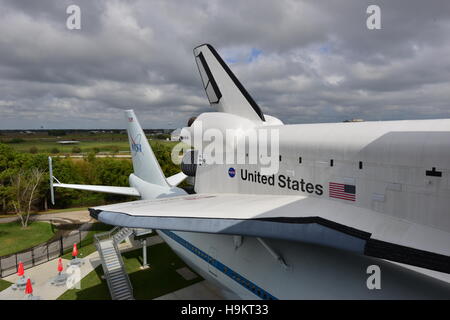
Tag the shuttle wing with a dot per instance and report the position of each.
(293, 218)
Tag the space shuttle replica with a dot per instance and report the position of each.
(305, 211)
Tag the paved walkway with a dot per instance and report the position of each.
(79, 216)
(80, 156)
(42, 276)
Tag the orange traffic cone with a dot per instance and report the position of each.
(20, 269)
(74, 251)
(60, 266)
(29, 287)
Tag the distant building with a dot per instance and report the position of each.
(68, 142)
(175, 135)
(156, 131)
(354, 120)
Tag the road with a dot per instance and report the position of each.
(80, 216)
(97, 156)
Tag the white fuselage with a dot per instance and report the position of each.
(313, 272)
(388, 164)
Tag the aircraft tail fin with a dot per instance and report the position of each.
(145, 164)
(223, 89)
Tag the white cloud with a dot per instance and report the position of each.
(316, 61)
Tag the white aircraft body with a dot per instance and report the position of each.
(348, 199)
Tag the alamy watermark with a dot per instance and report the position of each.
(374, 280)
(373, 21)
(73, 277)
(73, 21)
(234, 146)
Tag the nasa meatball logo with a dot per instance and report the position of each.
(136, 143)
(231, 172)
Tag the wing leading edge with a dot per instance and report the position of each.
(292, 218)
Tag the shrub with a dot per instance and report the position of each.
(90, 157)
(114, 149)
(33, 150)
(162, 136)
(57, 133)
(16, 140)
(76, 150)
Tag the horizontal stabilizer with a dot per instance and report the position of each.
(176, 179)
(127, 191)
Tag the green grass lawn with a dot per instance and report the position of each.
(161, 278)
(86, 144)
(87, 244)
(4, 284)
(14, 238)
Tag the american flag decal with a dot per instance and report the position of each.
(342, 191)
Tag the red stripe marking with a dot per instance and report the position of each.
(341, 195)
(349, 199)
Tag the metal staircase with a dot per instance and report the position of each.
(122, 234)
(114, 270)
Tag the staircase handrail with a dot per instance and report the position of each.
(110, 236)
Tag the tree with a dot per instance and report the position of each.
(25, 185)
(163, 154)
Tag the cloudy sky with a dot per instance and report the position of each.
(302, 61)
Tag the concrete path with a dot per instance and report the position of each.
(80, 216)
(80, 156)
(42, 276)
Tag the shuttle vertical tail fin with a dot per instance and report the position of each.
(145, 164)
(223, 89)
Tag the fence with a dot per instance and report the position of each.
(40, 254)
